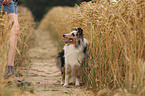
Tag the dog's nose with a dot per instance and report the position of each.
(63, 35)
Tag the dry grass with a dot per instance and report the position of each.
(3, 42)
(26, 31)
(26, 37)
(116, 32)
(28, 94)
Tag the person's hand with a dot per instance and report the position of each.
(6, 2)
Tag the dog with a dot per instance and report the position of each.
(71, 57)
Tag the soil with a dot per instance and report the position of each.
(43, 72)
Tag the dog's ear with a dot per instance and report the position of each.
(80, 32)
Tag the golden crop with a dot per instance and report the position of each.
(116, 33)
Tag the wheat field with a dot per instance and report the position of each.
(116, 33)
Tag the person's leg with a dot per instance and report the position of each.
(13, 42)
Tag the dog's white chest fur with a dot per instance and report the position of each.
(73, 56)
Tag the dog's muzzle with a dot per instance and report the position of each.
(69, 40)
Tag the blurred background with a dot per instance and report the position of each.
(41, 7)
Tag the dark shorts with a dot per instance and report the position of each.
(11, 8)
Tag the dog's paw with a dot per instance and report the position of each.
(65, 85)
(62, 83)
(77, 85)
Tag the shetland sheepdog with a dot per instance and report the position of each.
(71, 57)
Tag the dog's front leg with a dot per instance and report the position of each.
(77, 78)
(66, 80)
(67, 73)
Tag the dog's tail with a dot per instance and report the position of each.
(60, 60)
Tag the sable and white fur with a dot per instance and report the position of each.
(71, 57)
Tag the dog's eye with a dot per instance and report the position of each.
(73, 34)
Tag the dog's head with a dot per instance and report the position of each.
(74, 37)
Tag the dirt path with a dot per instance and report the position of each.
(43, 71)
